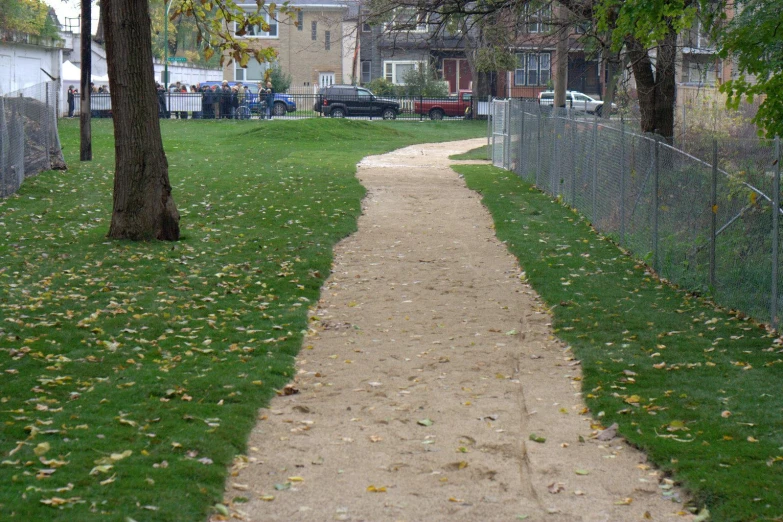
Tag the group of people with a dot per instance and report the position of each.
(216, 101)
(73, 93)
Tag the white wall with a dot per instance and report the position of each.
(20, 65)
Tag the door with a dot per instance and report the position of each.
(364, 104)
(465, 76)
(325, 79)
(5, 74)
(456, 71)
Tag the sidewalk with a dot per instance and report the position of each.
(430, 369)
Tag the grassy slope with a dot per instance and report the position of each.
(695, 386)
(166, 350)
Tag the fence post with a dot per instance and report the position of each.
(507, 136)
(522, 158)
(574, 133)
(775, 234)
(554, 162)
(622, 181)
(490, 137)
(46, 122)
(656, 167)
(595, 169)
(421, 106)
(713, 211)
(538, 147)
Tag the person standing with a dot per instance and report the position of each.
(270, 99)
(71, 100)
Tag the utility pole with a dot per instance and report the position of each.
(85, 153)
(166, 47)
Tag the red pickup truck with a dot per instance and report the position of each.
(437, 108)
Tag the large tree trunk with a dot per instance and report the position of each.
(655, 85)
(143, 206)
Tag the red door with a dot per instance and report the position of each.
(464, 75)
(450, 70)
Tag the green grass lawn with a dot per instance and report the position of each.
(130, 373)
(695, 386)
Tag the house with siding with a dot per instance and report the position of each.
(317, 46)
(405, 39)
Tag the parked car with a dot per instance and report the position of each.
(284, 103)
(575, 100)
(339, 101)
(437, 108)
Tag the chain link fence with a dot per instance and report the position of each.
(709, 224)
(29, 142)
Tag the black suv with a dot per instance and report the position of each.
(339, 101)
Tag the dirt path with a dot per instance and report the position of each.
(430, 366)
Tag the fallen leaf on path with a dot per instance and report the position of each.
(624, 502)
(425, 422)
(267, 498)
(556, 487)
(609, 433)
(373, 489)
(536, 438)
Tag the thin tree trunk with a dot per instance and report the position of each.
(612, 65)
(143, 206)
(561, 67)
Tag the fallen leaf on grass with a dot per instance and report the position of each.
(57, 501)
(633, 399)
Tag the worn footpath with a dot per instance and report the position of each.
(430, 370)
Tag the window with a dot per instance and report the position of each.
(407, 19)
(366, 71)
(253, 72)
(256, 31)
(327, 40)
(300, 20)
(395, 71)
(314, 31)
(533, 69)
(537, 19)
(366, 27)
(704, 73)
